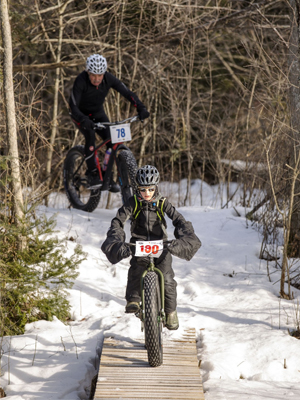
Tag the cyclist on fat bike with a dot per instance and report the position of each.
(86, 104)
(146, 211)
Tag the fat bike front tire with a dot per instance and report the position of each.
(75, 182)
(127, 172)
(153, 322)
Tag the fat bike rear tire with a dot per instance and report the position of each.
(153, 322)
(75, 182)
(127, 172)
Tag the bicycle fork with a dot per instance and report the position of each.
(162, 315)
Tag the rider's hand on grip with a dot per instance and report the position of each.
(143, 113)
(87, 124)
(125, 251)
(171, 246)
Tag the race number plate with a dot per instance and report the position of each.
(120, 133)
(153, 247)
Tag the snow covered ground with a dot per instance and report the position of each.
(224, 293)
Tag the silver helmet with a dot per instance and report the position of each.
(96, 64)
(147, 176)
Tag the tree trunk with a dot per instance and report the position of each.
(188, 196)
(9, 102)
(55, 101)
(294, 73)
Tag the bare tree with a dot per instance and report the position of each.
(10, 112)
(57, 59)
(294, 97)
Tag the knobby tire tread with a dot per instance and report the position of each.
(128, 169)
(152, 323)
(76, 155)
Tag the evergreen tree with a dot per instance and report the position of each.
(33, 280)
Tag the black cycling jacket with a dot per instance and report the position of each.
(87, 99)
(148, 226)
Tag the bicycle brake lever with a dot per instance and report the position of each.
(98, 125)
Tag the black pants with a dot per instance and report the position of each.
(90, 138)
(138, 265)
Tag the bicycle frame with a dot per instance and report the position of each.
(112, 158)
(115, 148)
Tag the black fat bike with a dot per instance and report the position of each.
(84, 197)
(152, 307)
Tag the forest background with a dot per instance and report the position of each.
(214, 75)
(220, 79)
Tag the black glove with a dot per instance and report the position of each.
(87, 124)
(125, 251)
(143, 113)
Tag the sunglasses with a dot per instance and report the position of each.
(143, 190)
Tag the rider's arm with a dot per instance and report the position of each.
(120, 87)
(123, 214)
(78, 89)
(173, 214)
(112, 246)
(187, 243)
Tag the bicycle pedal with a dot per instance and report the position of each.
(78, 180)
(139, 314)
(93, 187)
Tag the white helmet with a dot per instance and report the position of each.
(96, 64)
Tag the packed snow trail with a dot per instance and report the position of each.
(223, 292)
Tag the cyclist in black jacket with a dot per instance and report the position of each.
(146, 212)
(86, 103)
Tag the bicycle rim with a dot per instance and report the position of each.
(153, 323)
(75, 182)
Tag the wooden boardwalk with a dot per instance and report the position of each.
(124, 371)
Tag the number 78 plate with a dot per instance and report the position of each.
(120, 133)
(153, 247)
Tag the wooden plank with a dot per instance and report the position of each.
(124, 371)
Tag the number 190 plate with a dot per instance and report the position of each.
(120, 133)
(153, 247)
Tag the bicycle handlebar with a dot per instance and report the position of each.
(165, 243)
(103, 125)
(165, 247)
